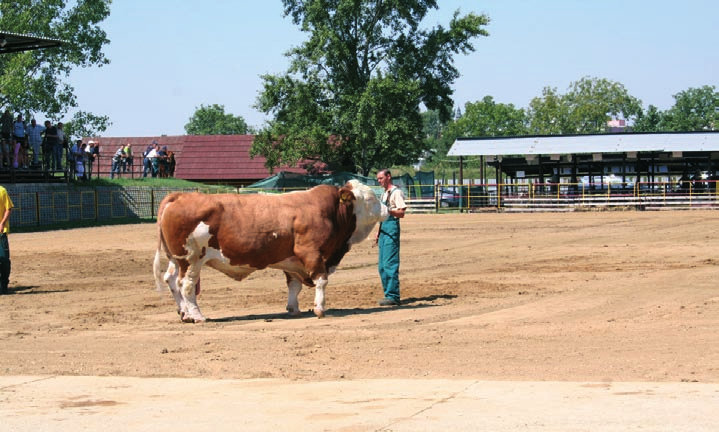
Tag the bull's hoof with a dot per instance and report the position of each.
(293, 312)
(186, 318)
(319, 312)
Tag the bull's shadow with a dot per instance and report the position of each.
(408, 303)
(30, 290)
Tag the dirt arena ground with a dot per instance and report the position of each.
(595, 296)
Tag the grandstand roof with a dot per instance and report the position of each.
(574, 144)
(14, 42)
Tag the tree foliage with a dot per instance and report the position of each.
(33, 81)
(695, 109)
(351, 96)
(586, 108)
(212, 120)
(488, 118)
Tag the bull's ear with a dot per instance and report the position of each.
(346, 196)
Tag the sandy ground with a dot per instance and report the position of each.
(595, 296)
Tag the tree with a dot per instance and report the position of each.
(351, 96)
(212, 120)
(488, 118)
(31, 81)
(586, 107)
(694, 109)
(651, 121)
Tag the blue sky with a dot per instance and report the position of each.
(170, 57)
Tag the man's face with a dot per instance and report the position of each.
(383, 180)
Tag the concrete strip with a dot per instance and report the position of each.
(67, 403)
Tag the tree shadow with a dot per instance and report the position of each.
(409, 303)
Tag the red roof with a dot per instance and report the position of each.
(205, 158)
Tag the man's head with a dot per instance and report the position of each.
(59, 125)
(47, 123)
(33, 122)
(384, 178)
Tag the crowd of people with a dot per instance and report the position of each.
(157, 161)
(46, 147)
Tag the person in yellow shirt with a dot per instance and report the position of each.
(6, 207)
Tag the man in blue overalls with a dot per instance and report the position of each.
(388, 239)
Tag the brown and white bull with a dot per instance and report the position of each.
(304, 233)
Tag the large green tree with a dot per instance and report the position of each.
(212, 120)
(33, 82)
(352, 94)
(586, 107)
(695, 109)
(649, 121)
(489, 118)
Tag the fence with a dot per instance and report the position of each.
(577, 196)
(39, 205)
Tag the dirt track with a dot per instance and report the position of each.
(603, 296)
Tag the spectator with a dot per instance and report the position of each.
(6, 139)
(77, 153)
(18, 139)
(117, 161)
(146, 161)
(163, 165)
(6, 207)
(63, 143)
(34, 136)
(154, 160)
(93, 152)
(52, 142)
(127, 163)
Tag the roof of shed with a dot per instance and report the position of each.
(573, 144)
(199, 157)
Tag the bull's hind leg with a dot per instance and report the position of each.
(294, 287)
(171, 276)
(190, 311)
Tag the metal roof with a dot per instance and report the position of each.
(14, 42)
(573, 144)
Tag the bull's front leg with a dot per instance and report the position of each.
(320, 284)
(294, 287)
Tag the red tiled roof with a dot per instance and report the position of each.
(221, 158)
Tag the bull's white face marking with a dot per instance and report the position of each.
(368, 211)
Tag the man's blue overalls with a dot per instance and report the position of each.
(388, 264)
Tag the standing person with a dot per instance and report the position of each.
(154, 157)
(34, 136)
(52, 142)
(388, 239)
(18, 139)
(63, 146)
(6, 207)
(117, 162)
(127, 163)
(146, 161)
(77, 153)
(92, 154)
(6, 134)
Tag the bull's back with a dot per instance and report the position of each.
(256, 230)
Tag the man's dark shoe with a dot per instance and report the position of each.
(388, 302)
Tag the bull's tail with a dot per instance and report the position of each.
(161, 244)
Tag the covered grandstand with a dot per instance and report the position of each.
(538, 170)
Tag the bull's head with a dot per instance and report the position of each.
(368, 210)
